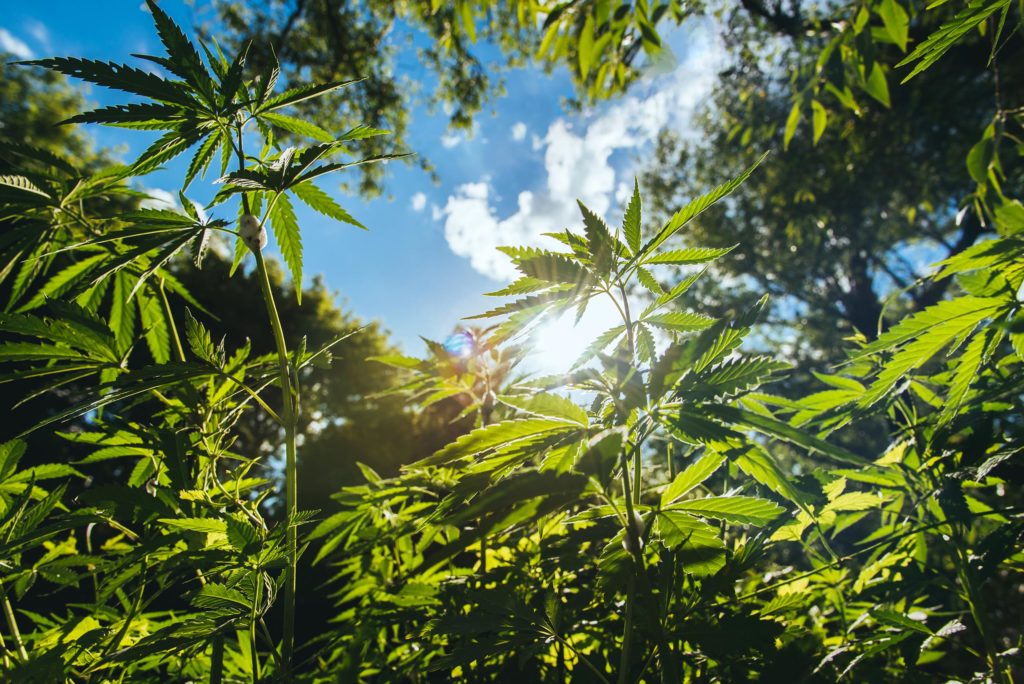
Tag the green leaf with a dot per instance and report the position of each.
(704, 552)
(44, 471)
(631, 225)
(896, 21)
(961, 313)
(698, 471)
(820, 119)
(119, 77)
(301, 94)
(184, 59)
(289, 240)
(784, 431)
(320, 201)
(199, 339)
(548, 406)
(207, 525)
(756, 463)
(647, 279)
(678, 290)
(362, 132)
(923, 348)
(689, 256)
(535, 304)
(854, 501)
(31, 351)
(645, 346)
(585, 47)
(599, 345)
(63, 281)
(734, 375)
(950, 33)
(122, 313)
(497, 435)
(742, 510)
(968, 369)
(295, 125)
(599, 241)
(201, 160)
(213, 596)
(696, 208)
(398, 361)
(523, 285)
(876, 84)
(146, 116)
(242, 535)
(792, 121)
(555, 268)
(680, 321)
(167, 147)
(979, 158)
(21, 188)
(154, 324)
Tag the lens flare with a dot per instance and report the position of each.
(559, 342)
(460, 344)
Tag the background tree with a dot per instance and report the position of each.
(841, 226)
(340, 40)
(32, 104)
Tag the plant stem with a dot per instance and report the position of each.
(975, 604)
(217, 661)
(12, 624)
(170, 321)
(291, 489)
(627, 630)
(132, 612)
(639, 580)
(632, 541)
(254, 654)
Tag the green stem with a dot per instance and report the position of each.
(170, 321)
(975, 604)
(217, 661)
(291, 489)
(12, 624)
(627, 630)
(270, 642)
(254, 653)
(628, 319)
(132, 612)
(632, 541)
(638, 580)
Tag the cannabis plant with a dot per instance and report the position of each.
(86, 274)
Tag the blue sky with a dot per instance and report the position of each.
(429, 255)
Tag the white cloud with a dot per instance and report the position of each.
(436, 212)
(419, 201)
(519, 131)
(15, 46)
(578, 165)
(159, 199)
(39, 33)
(450, 140)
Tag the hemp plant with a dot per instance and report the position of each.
(208, 105)
(639, 498)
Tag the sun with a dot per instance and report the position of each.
(558, 342)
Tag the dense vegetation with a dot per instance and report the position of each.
(706, 496)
